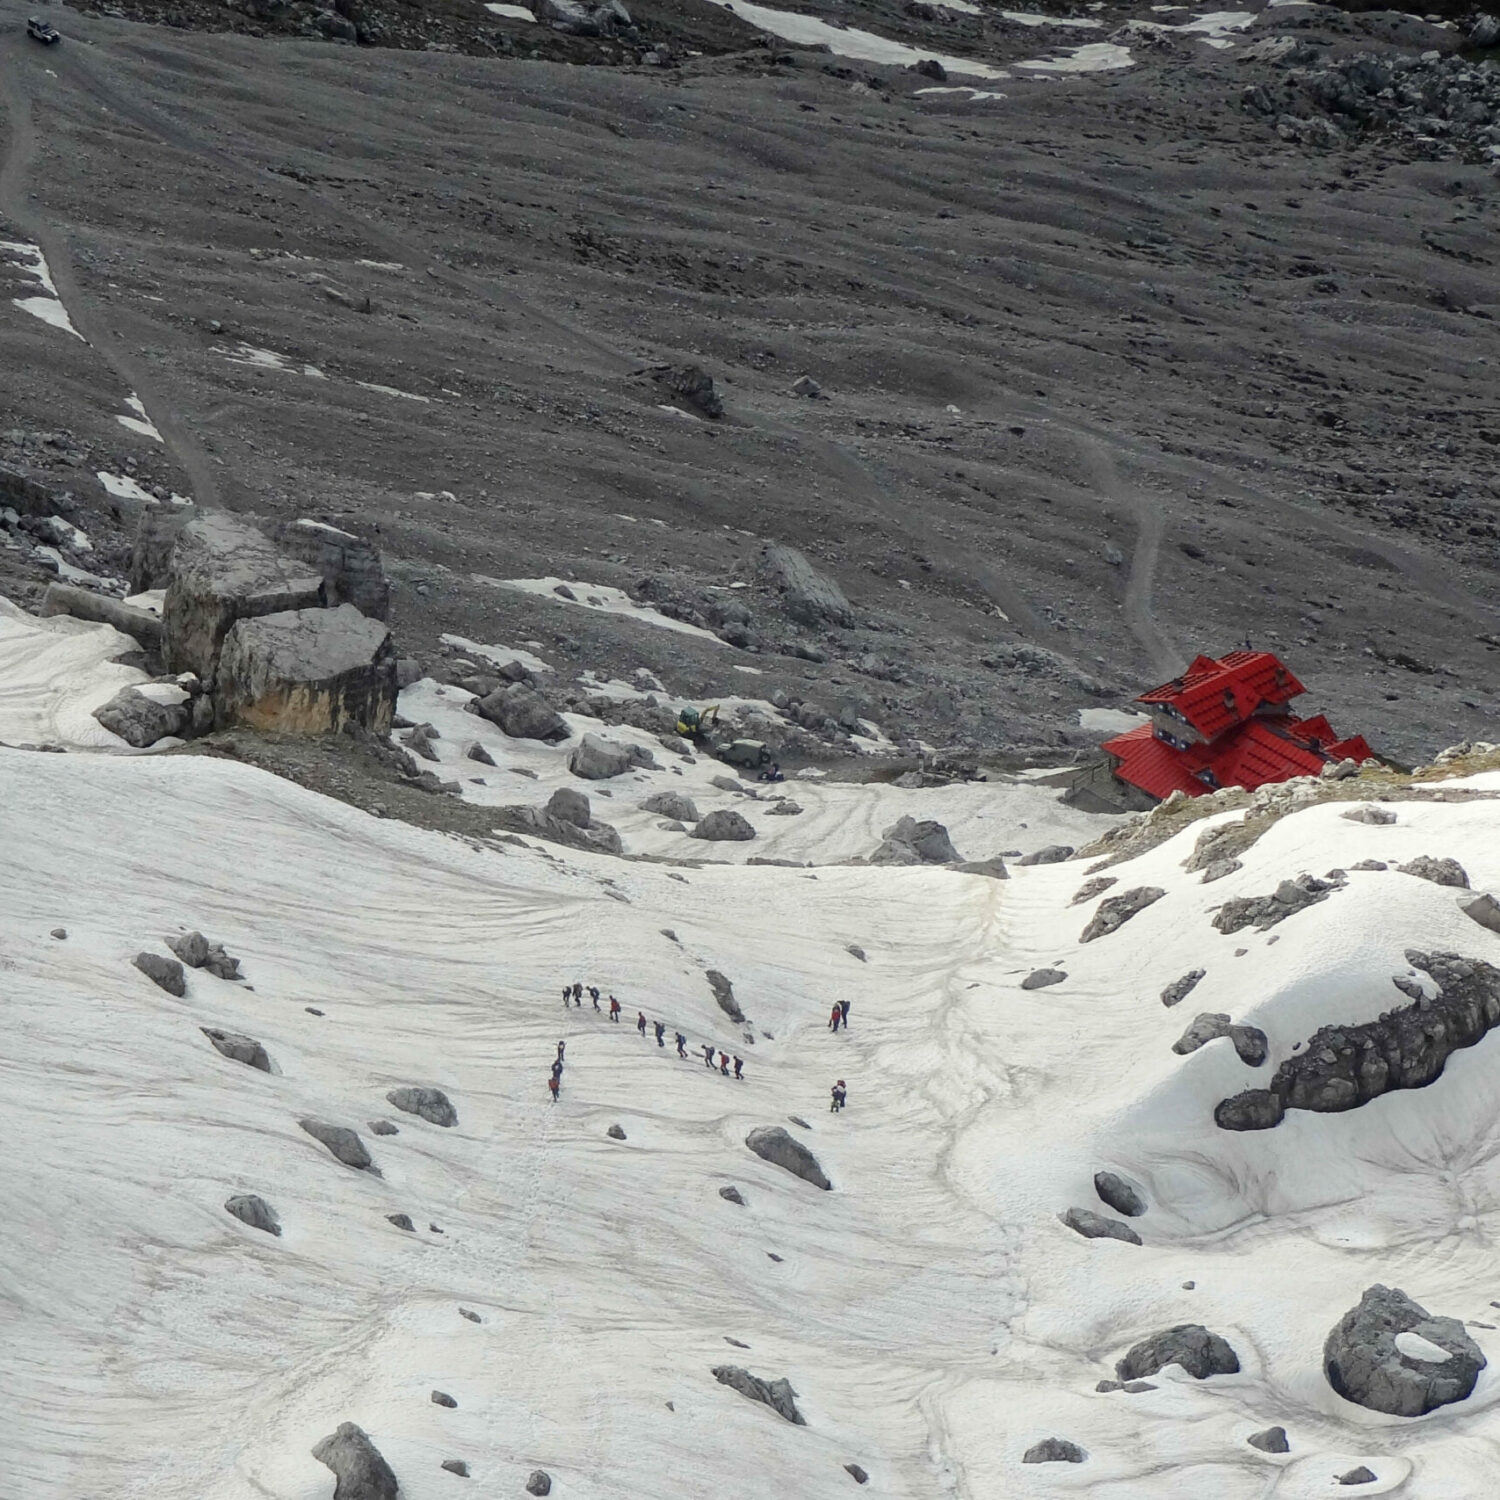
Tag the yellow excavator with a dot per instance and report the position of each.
(698, 725)
(694, 724)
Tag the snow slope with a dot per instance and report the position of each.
(932, 1313)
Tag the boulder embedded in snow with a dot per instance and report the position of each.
(1053, 854)
(777, 1394)
(596, 759)
(1361, 1475)
(166, 972)
(342, 1143)
(470, 1315)
(910, 842)
(1120, 1195)
(808, 596)
(307, 671)
(540, 1483)
(1249, 1041)
(1040, 979)
(402, 1222)
(432, 1105)
(197, 952)
(1114, 911)
(1190, 1345)
(455, 1466)
(732, 1195)
(1369, 812)
(223, 571)
(616, 1132)
(383, 1127)
(773, 1144)
(1365, 1364)
(141, 720)
(540, 822)
(475, 751)
(360, 1471)
(240, 1049)
(442, 1398)
(1271, 1440)
(1094, 1226)
(1091, 888)
(250, 1209)
(350, 566)
(569, 805)
(1179, 989)
(419, 741)
(1262, 912)
(671, 805)
(724, 994)
(1483, 909)
(1439, 871)
(856, 1473)
(723, 825)
(522, 713)
(1054, 1450)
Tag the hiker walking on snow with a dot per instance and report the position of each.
(840, 1093)
(561, 1048)
(557, 1069)
(594, 995)
(661, 1031)
(552, 1084)
(681, 1044)
(834, 1017)
(640, 1022)
(844, 1012)
(724, 1063)
(708, 1054)
(739, 1064)
(614, 1009)
(578, 995)
(567, 995)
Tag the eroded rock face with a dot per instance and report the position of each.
(1179, 989)
(166, 972)
(724, 994)
(570, 806)
(1439, 871)
(1271, 1440)
(222, 571)
(432, 1105)
(1343, 1067)
(308, 671)
(777, 1394)
(350, 566)
(1364, 1362)
(1114, 911)
(911, 842)
(155, 538)
(1190, 1345)
(361, 1473)
(240, 1049)
(773, 1144)
(1094, 1226)
(597, 759)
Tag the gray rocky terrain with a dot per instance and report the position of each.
(1108, 370)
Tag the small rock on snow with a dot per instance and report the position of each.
(250, 1209)
(1191, 1345)
(166, 972)
(1094, 1226)
(240, 1049)
(777, 1394)
(1361, 1475)
(1054, 1450)
(429, 1104)
(1180, 989)
(1272, 1440)
(342, 1143)
(856, 1473)
(1114, 911)
(1120, 1195)
(1039, 979)
(615, 1133)
(442, 1398)
(383, 1127)
(402, 1221)
(773, 1144)
(540, 1483)
(732, 1195)
(456, 1466)
(1439, 871)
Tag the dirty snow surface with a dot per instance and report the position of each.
(932, 1313)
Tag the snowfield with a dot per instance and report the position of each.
(933, 1314)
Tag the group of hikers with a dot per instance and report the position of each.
(572, 995)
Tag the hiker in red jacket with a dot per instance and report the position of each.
(614, 1009)
(835, 1016)
(553, 1084)
(640, 1022)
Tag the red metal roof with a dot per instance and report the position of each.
(1213, 696)
(1152, 764)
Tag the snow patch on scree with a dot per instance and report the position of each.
(48, 306)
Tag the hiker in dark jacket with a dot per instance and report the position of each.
(661, 1032)
(835, 1016)
(681, 1044)
(844, 1012)
(739, 1064)
(640, 1022)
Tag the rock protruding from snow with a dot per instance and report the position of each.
(1094, 1226)
(1054, 1450)
(569, 805)
(773, 1144)
(723, 825)
(1179, 989)
(1362, 1474)
(1271, 1440)
(1343, 1067)
(809, 597)
(1124, 1197)
(341, 1143)
(1041, 979)
(430, 1104)
(1365, 1364)
(442, 1398)
(1091, 888)
(308, 671)
(522, 713)
(732, 1195)
(777, 1394)
(360, 1471)
(1053, 854)
(1114, 911)
(1208, 1026)
(1483, 909)
(616, 1132)
(544, 823)
(351, 568)
(856, 1473)
(540, 1483)
(253, 1210)
(223, 571)
(166, 972)
(1438, 871)
(724, 994)
(911, 842)
(457, 1466)
(240, 1049)
(671, 805)
(197, 952)
(1262, 912)
(598, 759)
(141, 720)
(1371, 813)
(1190, 1345)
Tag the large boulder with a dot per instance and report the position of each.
(342, 1143)
(308, 671)
(570, 806)
(598, 759)
(772, 1143)
(1114, 911)
(777, 1394)
(141, 718)
(432, 1105)
(223, 571)
(724, 994)
(1443, 871)
(671, 805)
(723, 824)
(522, 713)
(361, 1473)
(544, 823)
(351, 568)
(910, 842)
(1094, 1226)
(1391, 1355)
(240, 1049)
(101, 609)
(155, 538)
(165, 972)
(197, 952)
(1190, 1345)
(251, 1209)
(808, 596)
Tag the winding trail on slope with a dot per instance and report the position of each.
(19, 152)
